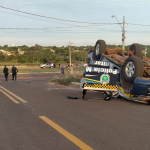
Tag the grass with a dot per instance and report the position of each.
(20, 64)
(57, 70)
(67, 79)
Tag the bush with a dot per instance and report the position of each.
(20, 64)
(66, 80)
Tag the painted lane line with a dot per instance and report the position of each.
(65, 133)
(15, 101)
(19, 98)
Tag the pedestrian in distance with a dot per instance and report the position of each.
(68, 69)
(54, 65)
(5, 71)
(14, 72)
(59, 65)
(62, 70)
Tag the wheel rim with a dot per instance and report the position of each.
(130, 69)
(97, 49)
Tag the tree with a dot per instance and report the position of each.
(5, 47)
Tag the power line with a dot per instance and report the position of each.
(32, 17)
(72, 26)
(113, 2)
(63, 29)
(42, 19)
(46, 28)
(71, 21)
(137, 24)
(56, 18)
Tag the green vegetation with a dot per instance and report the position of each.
(39, 54)
(57, 70)
(66, 80)
(20, 64)
(36, 55)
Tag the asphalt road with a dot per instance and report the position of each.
(35, 115)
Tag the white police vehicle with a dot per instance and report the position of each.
(124, 76)
(47, 65)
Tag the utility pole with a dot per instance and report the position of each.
(123, 35)
(123, 31)
(145, 51)
(70, 53)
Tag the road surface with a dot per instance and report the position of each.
(35, 115)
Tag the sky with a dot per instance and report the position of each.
(83, 22)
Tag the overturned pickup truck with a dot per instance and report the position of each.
(118, 73)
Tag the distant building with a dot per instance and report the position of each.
(12, 53)
(76, 51)
(20, 52)
(7, 53)
(52, 50)
(13, 44)
(144, 52)
(4, 52)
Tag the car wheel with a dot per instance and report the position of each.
(133, 67)
(100, 48)
(136, 49)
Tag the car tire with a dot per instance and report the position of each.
(136, 49)
(133, 67)
(100, 48)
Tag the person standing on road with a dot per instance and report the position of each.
(68, 69)
(14, 72)
(54, 65)
(62, 70)
(5, 71)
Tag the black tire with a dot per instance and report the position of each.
(133, 67)
(100, 48)
(136, 49)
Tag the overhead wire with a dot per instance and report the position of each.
(37, 18)
(68, 31)
(55, 18)
(107, 2)
(72, 26)
(71, 21)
